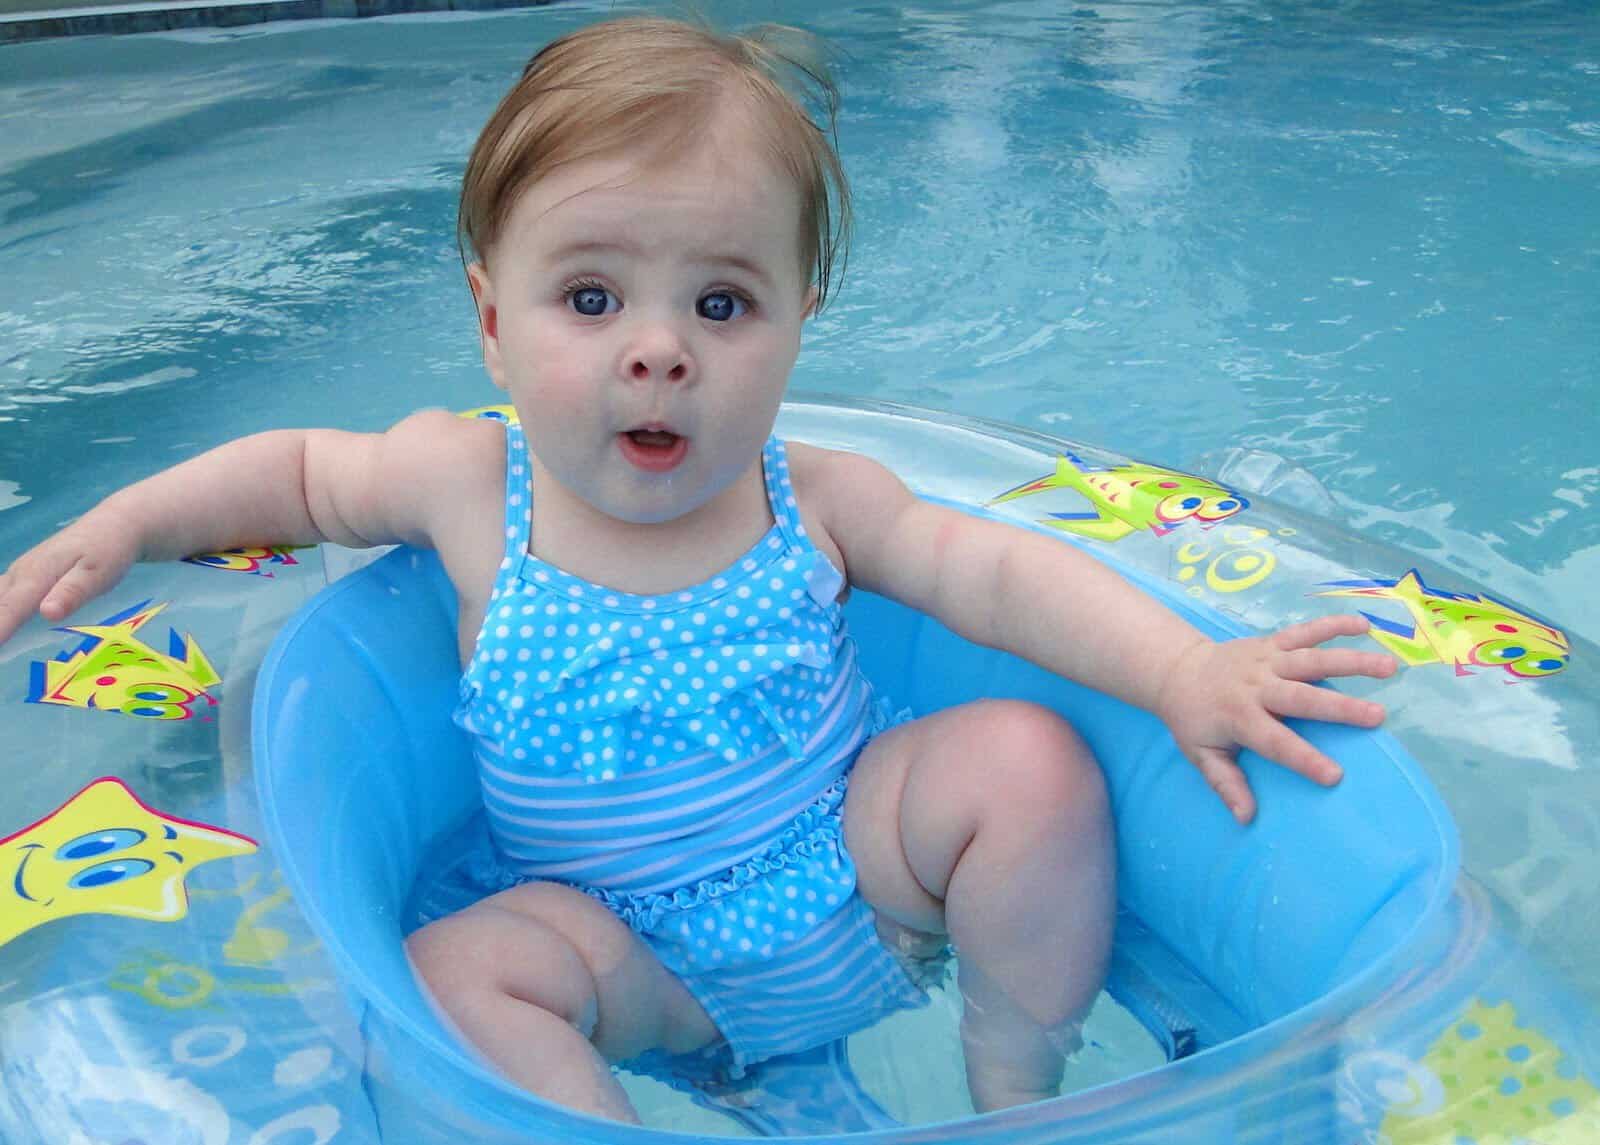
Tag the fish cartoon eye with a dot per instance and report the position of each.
(1517, 658)
(104, 874)
(1178, 507)
(157, 701)
(1498, 652)
(1221, 508)
(1532, 667)
(98, 843)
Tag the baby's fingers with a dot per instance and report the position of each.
(1271, 739)
(1222, 772)
(1308, 664)
(86, 578)
(22, 587)
(53, 579)
(1287, 698)
(15, 605)
(1309, 633)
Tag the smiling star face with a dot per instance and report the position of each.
(104, 852)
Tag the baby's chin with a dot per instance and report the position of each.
(628, 498)
(671, 499)
(637, 498)
(642, 517)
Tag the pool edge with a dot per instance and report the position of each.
(127, 19)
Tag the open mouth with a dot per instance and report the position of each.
(653, 449)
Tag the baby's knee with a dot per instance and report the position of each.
(474, 961)
(1032, 758)
(607, 946)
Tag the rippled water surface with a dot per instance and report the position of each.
(1360, 237)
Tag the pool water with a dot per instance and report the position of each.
(1361, 239)
(1348, 253)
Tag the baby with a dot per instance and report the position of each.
(709, 834)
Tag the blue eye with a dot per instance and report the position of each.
(720, 306)
(591, 301)
(104, 874)
(99, 843)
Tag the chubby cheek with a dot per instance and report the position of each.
(565, 407)
(548, 375)
(557, 381)
(765, 377)
(565, 426)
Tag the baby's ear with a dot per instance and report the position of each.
(488, 321)
(809, 308)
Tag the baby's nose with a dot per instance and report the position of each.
(659, 353)
(644, 368)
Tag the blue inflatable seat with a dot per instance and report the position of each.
(1243, 948)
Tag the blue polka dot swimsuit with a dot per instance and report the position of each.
(683, 758)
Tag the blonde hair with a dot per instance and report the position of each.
(656, 84)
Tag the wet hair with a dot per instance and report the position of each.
(652, 87)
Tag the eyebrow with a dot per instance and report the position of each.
(613, 246)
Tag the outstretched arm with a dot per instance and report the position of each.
(282, 487)
(1012, 588)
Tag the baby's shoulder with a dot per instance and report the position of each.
(810, 464)
(813, 472)
(831, 486)
(445, 456)
(455, 470)
(449, 428)
(826, 480)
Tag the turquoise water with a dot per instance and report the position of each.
(1354, 241)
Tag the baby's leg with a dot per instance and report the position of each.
(990, 823)
(549, 985)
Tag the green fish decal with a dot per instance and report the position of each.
(114, 670)
(1460, 628)
(1128, 498)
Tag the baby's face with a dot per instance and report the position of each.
(644, 320)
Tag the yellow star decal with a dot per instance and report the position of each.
(105, 852)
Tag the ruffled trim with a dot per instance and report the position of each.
(885, 716)
(814, 830)
(641, 671)
(487, 872)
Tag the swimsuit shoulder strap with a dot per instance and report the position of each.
(780, 494)
(519, 513)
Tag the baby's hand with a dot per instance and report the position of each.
(1220, 697)
(61, 573)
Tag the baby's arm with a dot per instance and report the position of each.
(280, 487)
(1016, 589)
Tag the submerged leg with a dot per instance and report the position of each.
(990, 823)
(549, 985)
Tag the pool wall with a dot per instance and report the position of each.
(42, 22)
